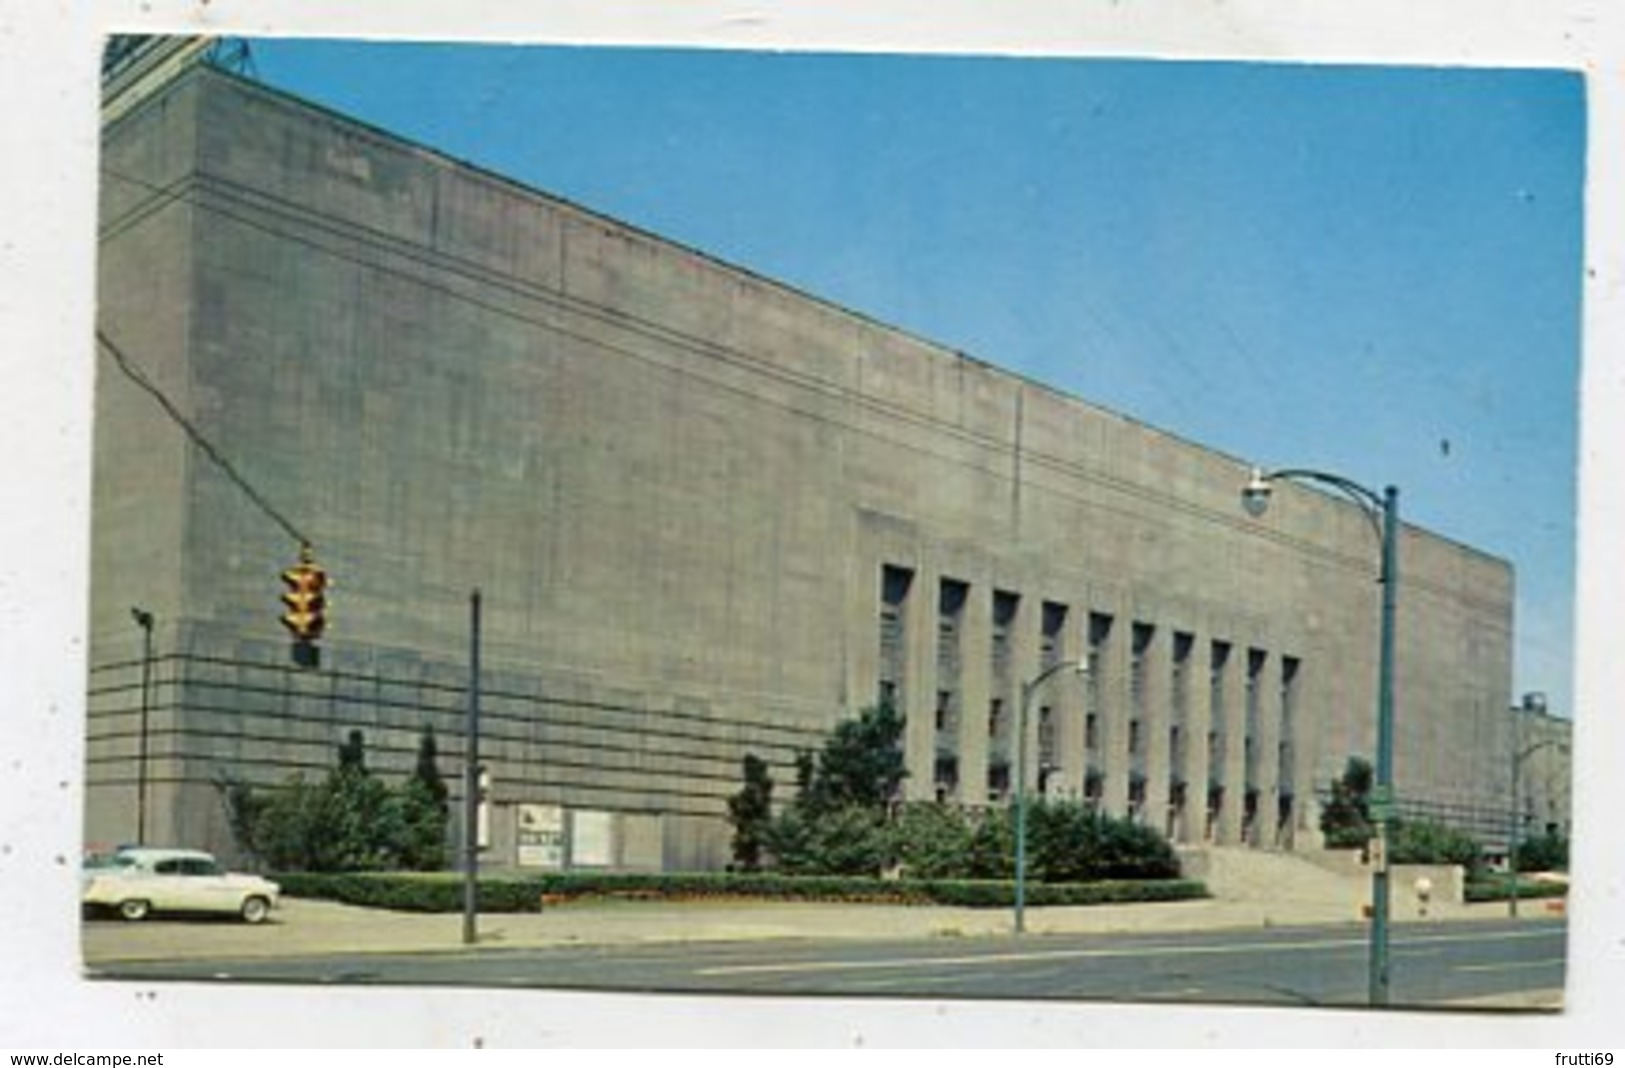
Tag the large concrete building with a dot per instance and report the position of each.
(709, 515)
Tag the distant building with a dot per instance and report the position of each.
(1544, 768)
(709, 515)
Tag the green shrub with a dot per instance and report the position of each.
(1068, 842)
(1498, 887)
(1346, 818)
(1549, 852)
(751, 813)
(1428, 842)
(443, 891)
(931, 841)
(350, 821)
(846, 841)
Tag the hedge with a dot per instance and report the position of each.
(443, 892)
(1500, 889)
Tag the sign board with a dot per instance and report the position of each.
(541, 836)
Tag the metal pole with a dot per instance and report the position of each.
(1021, 805)
(471, 781)
(143, 619)
(1512, 829)
(1385, 748)
(1027, 689)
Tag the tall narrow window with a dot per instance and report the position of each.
(1254, 698)
(1287, 755)
(1000, 728)
(1052, 628)
(894, 587)
(1179, 710)
(1139, 661)
(951, 598)
(1217, 735)
(1099, 642)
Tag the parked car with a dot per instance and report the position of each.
(137, 882)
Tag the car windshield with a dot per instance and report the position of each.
(108, 860)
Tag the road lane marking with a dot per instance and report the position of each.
(1026, 956)
(1509, 965)
(1018, 957)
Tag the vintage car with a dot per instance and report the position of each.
(136, 882)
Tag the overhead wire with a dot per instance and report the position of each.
(139, 377)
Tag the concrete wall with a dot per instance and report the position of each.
(678, 484)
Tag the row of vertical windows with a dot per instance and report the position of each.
(1145, 701)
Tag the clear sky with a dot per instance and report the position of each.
(1370, 270)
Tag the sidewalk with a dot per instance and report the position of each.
(316, 928)
(305, 927)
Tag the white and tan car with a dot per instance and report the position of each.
(137, 882)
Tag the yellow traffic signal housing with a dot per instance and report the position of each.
(306, 598)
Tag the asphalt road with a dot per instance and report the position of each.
(1431, 965)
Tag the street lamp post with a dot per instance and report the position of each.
(1382, 510)
(1027, 690)
(1512, 831)
(143, 619)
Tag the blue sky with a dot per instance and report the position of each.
(1369, 270)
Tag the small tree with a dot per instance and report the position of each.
(932, 841)
(751, 811)
(358, 822)
(425, 810)
(837, 822)
(861, 766)
(1346, 819)
(1549, 852)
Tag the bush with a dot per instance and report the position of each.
(1068, 842)
(1549, 852)
(844, 841)
(931, 841)
(1498, 887)
(350, 821)
(1346, 819)
(1427, 842)
(751, 813)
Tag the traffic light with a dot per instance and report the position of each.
(306, 601)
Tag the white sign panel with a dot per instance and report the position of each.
(592, 839)
(541, 836)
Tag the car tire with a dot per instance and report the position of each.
(256, 910)
(134, 909)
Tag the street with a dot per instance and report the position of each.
(1433, 964)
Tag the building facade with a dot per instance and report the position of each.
(708, 515)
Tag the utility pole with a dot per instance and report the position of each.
(471, 782)
(143, 619)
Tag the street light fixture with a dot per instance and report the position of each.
(1027, 690)
(1512, 831)
(143, 619)
(1382, 511)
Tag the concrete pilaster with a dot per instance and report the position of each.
(1155, 719)
(1303, 741)
(1113, 691)
(1193, 826)
(862, 648)
(1232, 691)
(1269, 750)
(919, 687)
(975, 692)
(1069, 701)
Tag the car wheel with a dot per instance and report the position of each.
(256, 910)
(134, 909)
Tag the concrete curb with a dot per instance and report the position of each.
(306, 927)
